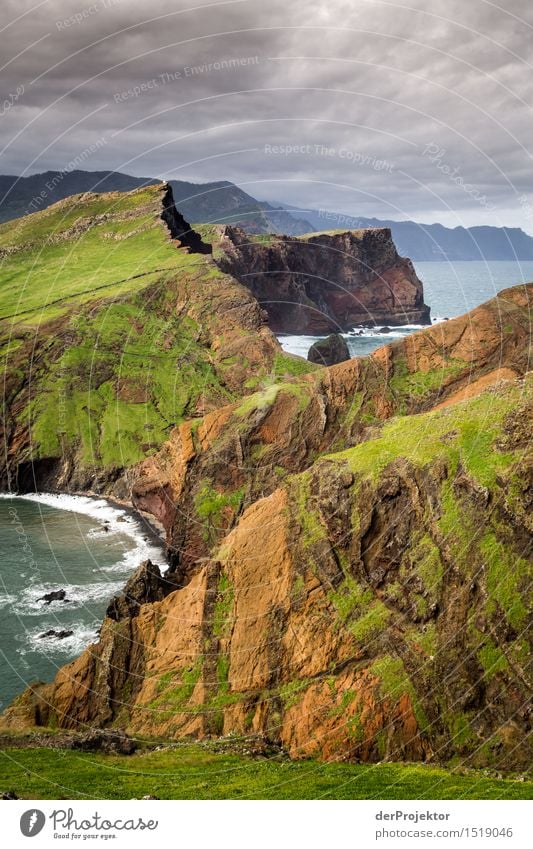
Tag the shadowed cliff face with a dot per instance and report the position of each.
(243, 450)
(180, 229)
(368, 608)
(348, 545)
(331, 281)
(349, 566)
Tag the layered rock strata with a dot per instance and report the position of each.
(326, 282)
(349, 569)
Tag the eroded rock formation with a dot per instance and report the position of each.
(241, 451)
(348, 546)
(346, 586)
(194, 330)
(365, 609)
(326, 282)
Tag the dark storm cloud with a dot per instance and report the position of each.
(417, 109)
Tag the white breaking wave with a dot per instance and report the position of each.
(110, 534)
(76, 596)
(381, 333)
(83, 634)
(113, 520)
(300, 345)
(7, 600)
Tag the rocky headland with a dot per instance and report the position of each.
(326, 282)
(348, 546)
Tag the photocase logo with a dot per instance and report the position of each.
(32, 822)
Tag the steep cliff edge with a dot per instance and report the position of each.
(348, 546)
(372, 607)
(210, 468)
(326, 282)
(349, 566)
(117, 323)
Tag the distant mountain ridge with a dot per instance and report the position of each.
(224, 202)
(219, 202)
(433, 242)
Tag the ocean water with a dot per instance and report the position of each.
(82, 545)
(450, 289)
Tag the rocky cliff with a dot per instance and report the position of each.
(348, 563)
(239, 452)
(324, 282)
(118, 322)
(115, 325)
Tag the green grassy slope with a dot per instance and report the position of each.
(194, 772)
(107, 329)
(472, 426)
(79, 249)
(132, 371)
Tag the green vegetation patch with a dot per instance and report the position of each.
(460, 729)
(371, 623)
(492, 659)
(422, 561)
(508, 577)
(173, 698)
(259, 401)
(56, 257)
(394, 681)
(423, 637)
(210, 505)
(194, 771)
(291, 692)
(125, 375)
(289, 365)
(223, 606)
(262, 401)
(350, 597)
(462, 433)
(428, 565)
(312, 529)
(422, 383)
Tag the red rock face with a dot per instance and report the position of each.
(328, 281)
(338, 608)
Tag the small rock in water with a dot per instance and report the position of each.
(60, 635)
(384, 330)
(329, 351)
(55, 595)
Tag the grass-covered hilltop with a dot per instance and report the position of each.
(116, 324)
(349, 547)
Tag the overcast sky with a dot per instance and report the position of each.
(417, 109)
